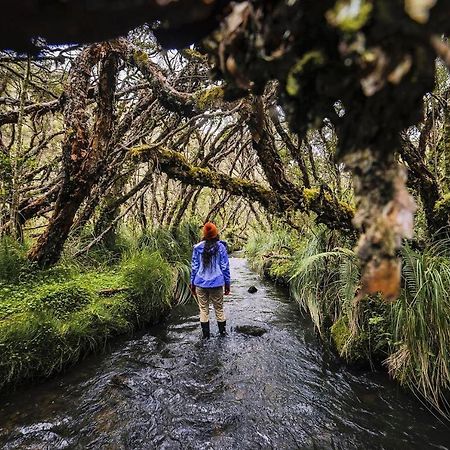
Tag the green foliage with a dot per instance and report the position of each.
(26, 344)
(443, 205)
(308, 62)
(41, 342)
(345, 16)
(234, 238)
(349, 345)
(13, 260)
(207, 98)
(271, 253)
(62, 300)
(99, 257)
(324, 283)
(186, 235)
(174, 245)
(182, 293)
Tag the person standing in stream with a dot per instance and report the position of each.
(210, 277)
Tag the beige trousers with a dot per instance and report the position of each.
(210, 295)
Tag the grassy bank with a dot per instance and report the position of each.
(409, 337)
(50, 319)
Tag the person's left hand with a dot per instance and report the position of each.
(227, 290)
(193, 290)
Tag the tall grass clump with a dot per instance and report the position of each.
(13, 260)
(420, 321)
(322, 274)
(271, 253)
(175, 246)
(151, 282)
(324, 282)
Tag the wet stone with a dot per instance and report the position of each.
(251, 330)
(252, 289)
(118, 380)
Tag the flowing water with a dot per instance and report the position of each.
(167, 389)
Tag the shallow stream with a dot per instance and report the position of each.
(167, 389)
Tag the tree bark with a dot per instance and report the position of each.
(426, 184)
(295, 151)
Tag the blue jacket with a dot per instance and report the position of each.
(216, 275)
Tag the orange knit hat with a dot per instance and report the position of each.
(210, 231)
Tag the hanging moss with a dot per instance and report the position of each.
(140, 57)
(209, 97)
(340, 334)
(311, 194)
(348, 17)
(313, 58)
(347, 207)
(351, 347)
(191, 53)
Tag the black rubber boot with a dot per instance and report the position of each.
(205, 330)
(222, 328)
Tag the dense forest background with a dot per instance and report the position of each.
(113, 154)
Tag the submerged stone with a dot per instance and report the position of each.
(251, 330)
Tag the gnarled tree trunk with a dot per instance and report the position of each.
(83, 152)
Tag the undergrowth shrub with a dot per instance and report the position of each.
(27, 344)
(173, 245)
(99, 256)
(186, 235)
(271, 253)
(420, 323)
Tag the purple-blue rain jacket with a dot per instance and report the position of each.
(218, 274)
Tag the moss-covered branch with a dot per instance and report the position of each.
(39, 108)
(335, 214)
(185, 103)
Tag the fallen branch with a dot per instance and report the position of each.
(112, 291)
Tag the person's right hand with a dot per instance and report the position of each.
(227, 289)
(193, 290)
